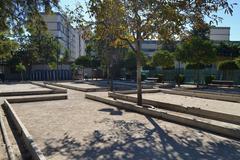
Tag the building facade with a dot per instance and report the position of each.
(69, 37)
(220, 34)
(217, 34)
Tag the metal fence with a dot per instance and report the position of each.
(191, 75)
(49, 75)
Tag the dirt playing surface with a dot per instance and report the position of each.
(79, 128)
(186, 101)
(17, 87)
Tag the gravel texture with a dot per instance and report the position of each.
(79, 128)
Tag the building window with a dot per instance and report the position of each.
(58, 26)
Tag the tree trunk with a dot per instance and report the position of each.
(198, 76)
(83, 74)
(139, 65)
(111, 79)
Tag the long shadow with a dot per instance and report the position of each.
(112, 111)
(135, 140)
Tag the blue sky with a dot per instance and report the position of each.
(228, 21)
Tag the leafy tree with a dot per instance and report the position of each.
(84, 61)
(196, 51)
(7, 46)
(195, 66)
(16, 14)
(228, 50)
(228, 65)
(130, 62)
(20, 68)
(163, 58)
(238, 61)
(135, 20)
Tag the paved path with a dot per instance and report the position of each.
(79, 128)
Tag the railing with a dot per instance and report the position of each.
(192, 75)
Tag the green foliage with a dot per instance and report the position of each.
(89, 49)
(209, 79)
(143, 77)
(180, 79)
(228, 50)
(52, 65)
(74, 67)
(196, 50)
(160, 78)
(7, 46)
(20, 68)
(228, 65)
(131, 62)
(65, 57)
(194, 66)
(16, 14)
(238, 62)
(84, 61)
(163, 58)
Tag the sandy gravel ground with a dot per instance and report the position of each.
(14, 87)
(186, 101)
(79, 128)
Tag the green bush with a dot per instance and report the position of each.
(238, 62)
(179, 79)
(160, 78)
(144, 77)
(195, 66)
(228, 65)
(209, 79)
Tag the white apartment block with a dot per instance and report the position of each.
(220, 34)
(69, 37)
(149, 47)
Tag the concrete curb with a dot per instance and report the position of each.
(135, 91)
(23, 132)
(45, 85)
(178, 108)
(78, 88)
(37, 98)
(207, 95)
(24, 93)
(9, 149)
(227, 132)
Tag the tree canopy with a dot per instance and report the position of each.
(163, 58)
(16, 14)
(196, 50)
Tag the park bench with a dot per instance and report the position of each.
(224, 83)
(152, 79)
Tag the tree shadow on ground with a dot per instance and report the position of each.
(135, 140)
(112, 111)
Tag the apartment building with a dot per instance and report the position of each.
(68, 36)
(149, 47)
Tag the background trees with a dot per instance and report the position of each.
(196, 51)
(163, 58)
(139, 20)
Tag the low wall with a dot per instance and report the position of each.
(189, 110)
(79, 88)
(45, 85)
(24, 134)
(227, 132)
(203, 94)
(37, 98)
